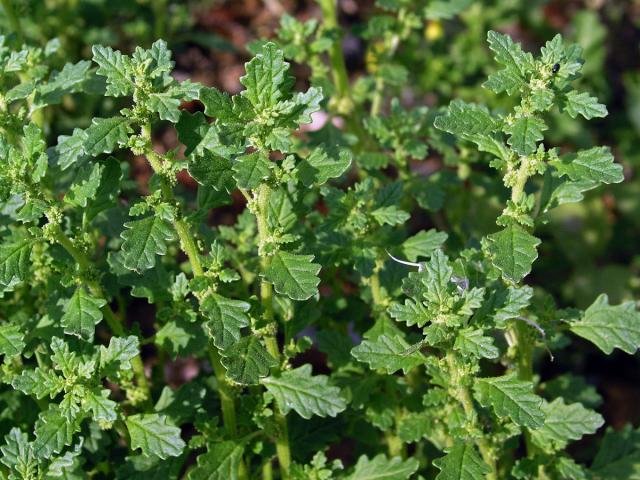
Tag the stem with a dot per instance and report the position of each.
(283, 448)
(227, 399)
(115, 324)
(463, 395)
(517, 190)
(336, 57)
(14, 20)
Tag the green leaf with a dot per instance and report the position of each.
(85, 185)
(447, 9)
(525, 133)
(466, 120)
(266, 80)
(388, 354)
(117, 356)
(564, 423)
(423, 244)
(319, 167)
(117, 68)
(381, 468)
(14, 262)
(462, 462)
(221, 462)
(11, 340)
(390, 215)
(166, 105)
(212, 171)
(304, 393)
(154, 436)
(295, 276)
(102, 408)
(247, 361)
(218, 104)
(509, 54)
(511, 398)
(250, 170)
(143, 240)
(106, 134)
(71, 149)
(82, 313)
(596, 165)
(226, 318)
(581, 103)
(618, 456)
(18, 455)
(196, 133)
(54, 430)
(40, 382)
(610, 326)
(473, 342)
(513, 251)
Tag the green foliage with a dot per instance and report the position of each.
(362, 280)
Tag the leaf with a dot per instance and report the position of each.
(143, 240)
(511, 398)
(319, 167)
(82, 313)
(390, 215)
(462, 462)
(106, 134)
(381, 468)
(154, 436)
(118, 354)
(14, 262)
(513, 252)
(388, 354)
(525, 133)
(447, 9)
(117, 68)
(11, 340)
(423, 244)
(165, 105)
(85, 185)
(266, 77)
(102, 408)
(509, 54)
(221, 462)
(71, 149)
(473, 342)
(564, 423)
(17, 453)
(247, 361)
(250, 170)
(610, 326)
(212, 171)
(226, 318)
(466, 120)
(293, 275)
(304, 393)
(596, 165)
(581, 103)
(54, 430)
(40, 382)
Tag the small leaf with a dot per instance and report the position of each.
(319, 167)
(564, 423)
(102, 408)
(388, 354)
(154, 436)
(473, 342)
(166, 105)
(11, 340)
(381, 468)
(85, 185)
(250, 170)
(581, 103)
(106, 134)
(82, 313)
(466, 120)
(226, 318)
(462, 462)
(511, 398)
(143, 240)
(212, 171)
(266, 77)
(610, 326)
(509, 54)
(423, 244)
(117, 68)
(595, 165)
(54, 430)
(390, 215)
(71, 149)
(525, 133)
(14, 262)
(40, 382)
(247, 361)
(304, 393)
(221, 462)
(513, 251)
(293, 275)
(118, 354)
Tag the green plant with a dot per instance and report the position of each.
(322, 255)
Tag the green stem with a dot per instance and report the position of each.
(283, 449)
(12, 17)
(517, 191)
(463, 394)
(336, 57)
(115, 324)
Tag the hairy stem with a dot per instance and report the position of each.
(463, 395)
(283, 448)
